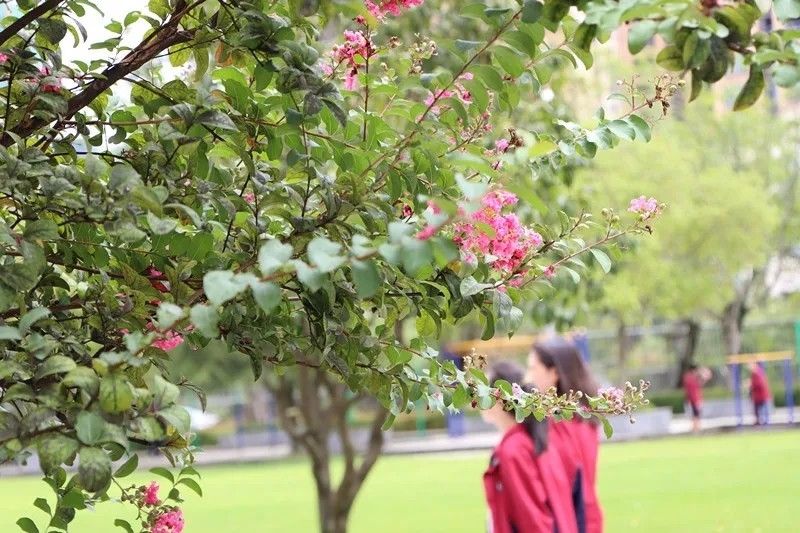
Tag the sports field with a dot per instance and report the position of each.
(738, 482)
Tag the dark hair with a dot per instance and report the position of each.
(573, 373)
(692, 366)
(513, 372)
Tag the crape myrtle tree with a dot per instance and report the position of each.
(294, 200)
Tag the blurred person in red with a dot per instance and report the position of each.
(526, 487)
(759, 392)
(693, 380)
(558, 364)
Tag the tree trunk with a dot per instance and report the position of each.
(732, 324)
(691, 337)
(312, 408)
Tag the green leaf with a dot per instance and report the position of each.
(55, 450)
(84, 378)
(119, 522)
(90, 427)
(217, 119)
(267, 295)
(366, 278)
(416, 254)
(73, 499)
(205, 318)
(509, 60)
(752, 89)
(128, 467)
(641, 127)
(192, 484)
(9, 333)
(161, 226)
(531, 11)
(177, 417)
(116, 394)
(607, 429)
(273, 256)
(31, 317)
(41, 230)
(163, 472)
(56, 364)
(325, 254)
(94, 469)
(620, 128)
(469, 287)
(489, 76)
(148, 429)
(27, 525)
(167, 314)
(786, 9)
(221, 286)
(670, 58)
(602, 259)
(164, 392)
(640, 34)
(41, 503)
(310, 277)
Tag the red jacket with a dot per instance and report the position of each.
(527, 493)
(692, 387)
(759, 386)
(577, 443)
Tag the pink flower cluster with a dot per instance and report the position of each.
(510, 243)
(356, 43)
(169, 522)
(646, 207)
(3, 58)
(383, 8)
(169, 341)
(458, 90)
(614, 396)
(150, 494)
(249, 197)
(51, 87)
(430, 230)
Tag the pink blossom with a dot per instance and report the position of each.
(501, 145)
(326, 69)
(360, 20)
(389, 7)
(435, 209)
(407, 211)
(249, 197)
(157, 279)
(356, 43)
(3, 58)
(351, 82)
(169, 522)
(427, 232)
(550, 272)
(647, 207)
(170, 341)
(508, 243)
(466, 76)
(151, 494)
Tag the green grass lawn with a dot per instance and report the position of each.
(748, 482)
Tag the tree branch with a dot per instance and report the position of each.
(165, 36)
(19, 24)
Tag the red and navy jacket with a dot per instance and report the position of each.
(759, 386)
(577, 442)
(527, 493)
